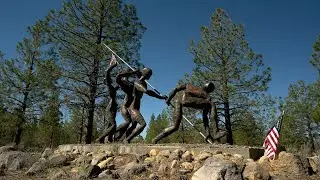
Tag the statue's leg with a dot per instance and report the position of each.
(129, 131)
(205, 118)
(109, 131)
(131, 128)
(110, 137)
(136, 117)
(216, 133)
(214, 120)
(122, 128)
(177, 116)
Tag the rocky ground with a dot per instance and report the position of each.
(178, 164)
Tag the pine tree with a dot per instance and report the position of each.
(224, 57)
(150, 132)
(248, 131)
(20, 85)
(292, 135)
(156, 125)
(301, 102)
(78, 29)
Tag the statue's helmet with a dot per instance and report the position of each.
(146, 73)
(209, 87)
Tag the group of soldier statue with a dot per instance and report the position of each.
(192, 97)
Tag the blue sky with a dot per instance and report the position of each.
(283, 31)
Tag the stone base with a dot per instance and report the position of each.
(247, 152)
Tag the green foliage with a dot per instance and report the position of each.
(301, 107)
(248, 132)
(224, 57)
(49, 125)
(30, 135)
(75, 128)
(291, 134)
(316, 113)
(138, 139)
(156, 125)
(7, 126)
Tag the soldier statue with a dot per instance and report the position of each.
(127, 87)
(140, 88)
(107, 135)
(192, 97)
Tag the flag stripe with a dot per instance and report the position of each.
(271, 142)
(274, 138)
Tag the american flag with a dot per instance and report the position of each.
(272, 140)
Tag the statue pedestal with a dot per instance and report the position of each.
(247, 152)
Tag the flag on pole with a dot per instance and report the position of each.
(271, 141)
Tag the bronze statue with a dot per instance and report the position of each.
(140, 87)
(107, 135)
(127, 87)
(192, 97)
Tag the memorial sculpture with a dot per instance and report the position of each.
(193, 97)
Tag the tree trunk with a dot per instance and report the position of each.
(81, 127)
(21, 114)
(226, 102)
(228, 122)
(21, 118)
(51, 139)
(17, 137)
(93, 84)
(90, 117)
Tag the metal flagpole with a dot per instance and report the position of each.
(279, 123)
(156, 91)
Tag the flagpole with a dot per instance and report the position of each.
(279, 129)
(281, 120)
(279, 124)
(156, 91)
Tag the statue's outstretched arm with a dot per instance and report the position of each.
(156, 95)
(107, 79)
(151, 93)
